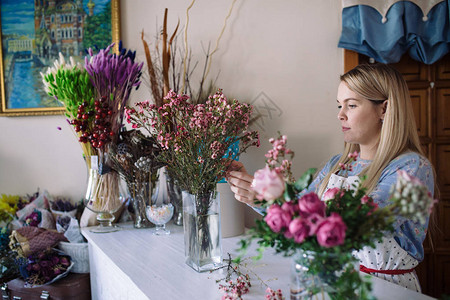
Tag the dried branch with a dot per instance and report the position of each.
(151, 72)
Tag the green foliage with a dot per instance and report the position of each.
(303, 182)
(72, 87)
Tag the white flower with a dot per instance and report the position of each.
(412, 197)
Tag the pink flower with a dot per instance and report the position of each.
(290, 207)
(268, 184)
(365, 199)
(277, 218)
(374, 207)
(407, 177)
(331, 193)
(314, 221)
(299, 228)
(353, 155)
(331, 231)
(311, 204)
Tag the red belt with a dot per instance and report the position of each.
(390, 272)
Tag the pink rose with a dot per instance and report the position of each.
(314, 221)
(277, 218)
(290, 207)
(268, 184)
(299, 229)
(331, 193)
(331, 231)
(311, 204)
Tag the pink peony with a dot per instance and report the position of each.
(331, 193)
(277, 218)
(290, 207)
(299, 229)
(314, 221)
(311, 204)
(268, 184)
(331, 231)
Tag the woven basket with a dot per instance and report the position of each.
(79, 253)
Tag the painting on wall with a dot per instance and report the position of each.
(34, 32)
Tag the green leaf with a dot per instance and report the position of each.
(289, 192)
(303, 182)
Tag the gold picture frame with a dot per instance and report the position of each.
(53, 31)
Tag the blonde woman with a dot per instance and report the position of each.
(377, 121)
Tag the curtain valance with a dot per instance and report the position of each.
(385, 30)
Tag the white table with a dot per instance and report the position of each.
(134, 264)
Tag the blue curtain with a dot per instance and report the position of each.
(404, 31)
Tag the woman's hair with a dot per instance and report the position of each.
(378, 82)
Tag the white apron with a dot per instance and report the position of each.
(387, 254)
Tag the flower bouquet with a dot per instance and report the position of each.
(8, 208)
(44, 267)
(134, 158)
(321, 235)
(95, 97)
(194, 139)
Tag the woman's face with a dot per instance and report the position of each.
(360, 118)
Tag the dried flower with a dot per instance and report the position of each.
(274, 295)
(33, 219)
(43, 267)
(62, 204)
(8, 207)
(195, 138)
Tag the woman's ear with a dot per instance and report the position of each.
(383, 108)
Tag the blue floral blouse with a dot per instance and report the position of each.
(408, 234)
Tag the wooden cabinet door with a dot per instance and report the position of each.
(429, 86)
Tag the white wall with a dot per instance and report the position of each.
(286, 50)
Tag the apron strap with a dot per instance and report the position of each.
(389, 272)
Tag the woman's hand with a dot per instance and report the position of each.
(240, 182)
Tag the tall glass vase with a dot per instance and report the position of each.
(175, 197)
(142, 195)
(105, 199)
(202, 233)
(103, 195)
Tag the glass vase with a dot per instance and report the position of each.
(175, 197)
(142, 195)
(202, 234)
(104, 195)
(320, 275)
(105, 199)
